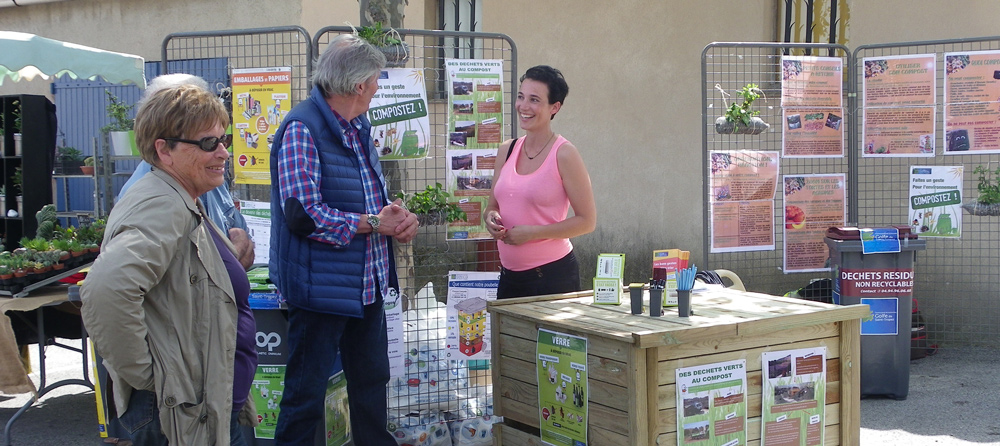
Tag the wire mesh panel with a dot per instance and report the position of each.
(425, 262)
(726, 68)
(956, 281)
(200, 53)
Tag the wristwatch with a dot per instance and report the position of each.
(374, 221)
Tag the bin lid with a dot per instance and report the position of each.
(851, 233)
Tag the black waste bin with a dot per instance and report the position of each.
(883, 281)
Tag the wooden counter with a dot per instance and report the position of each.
(632, 360)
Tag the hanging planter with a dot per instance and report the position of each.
(988, 202)
(739, 119)
(977, 208)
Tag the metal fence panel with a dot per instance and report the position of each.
(730, 66)
(956, 280)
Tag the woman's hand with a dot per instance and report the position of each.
(494, 225)
(518, 235)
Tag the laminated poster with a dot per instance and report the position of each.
(793, 400)
(475, 103)
(900, 81)
(743, 184)
(337, 416)
(392, 305)
(257, 214)
(936, 201)
(468, 332)
(261, 99)
(712, 404)
(398, 113)
(811, 81)
(470, 178)
(563, 389)
(899, 132)
(608, 279)
(267, 388)
(972, 102)
(813, 203)
(812, 133)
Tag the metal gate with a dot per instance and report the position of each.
(955, 281)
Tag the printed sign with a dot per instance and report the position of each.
(874, 241)
(884, 317)
(561, 362)
(876, 282)
(712, 404)
(793, 402)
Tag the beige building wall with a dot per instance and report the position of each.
(633, 66)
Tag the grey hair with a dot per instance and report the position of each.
(347, 61)
(169, 81)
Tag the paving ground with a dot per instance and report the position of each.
(953, 400)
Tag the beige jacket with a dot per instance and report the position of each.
(159, 306)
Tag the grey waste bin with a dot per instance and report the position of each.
(884, 281)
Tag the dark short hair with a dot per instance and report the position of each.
(551, 77)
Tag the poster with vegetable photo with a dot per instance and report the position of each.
(712, 404)
(813, 203)
(475, 103)
(972, 102)
(793, 399)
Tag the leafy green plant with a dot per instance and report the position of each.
(119, 114)
(378, 36)
(989, 185)
(16, 179)
(37, 244)
(432, 201)
(739, 112)
(69, 154)
(16, 113)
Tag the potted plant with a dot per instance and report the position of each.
(432, 207)
(120, 131)
(386, 40)
(17, 127)
(88, 166)
(16, 181)
(70, 159)
(988, 201)
(739, 118)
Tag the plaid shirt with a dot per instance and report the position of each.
(299, 177)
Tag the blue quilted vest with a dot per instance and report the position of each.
(312, 275)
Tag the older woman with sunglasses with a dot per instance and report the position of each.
(166, 301)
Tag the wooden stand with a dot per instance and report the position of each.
(632, 360)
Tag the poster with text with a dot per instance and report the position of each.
(812, 133)
(743, 183)
(712, 404)
(793, 402)
(563, 389)
(468, 332)
(475, 103)
(261, 99)
(900, 81)
(936, 201)
(257, 214)
(813, 203)
(398, 113)
(392, 305)
(470, 178)
(268, 386)
(972, 102)
(337, 415)
(899, 132)
(812, 81)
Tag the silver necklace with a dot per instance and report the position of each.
(539, 150)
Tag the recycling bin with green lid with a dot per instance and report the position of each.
(875, 267)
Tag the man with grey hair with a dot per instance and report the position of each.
(332, 229)
(218, 202)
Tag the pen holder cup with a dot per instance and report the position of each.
(635, 295)
(683, 303)
(655, 302)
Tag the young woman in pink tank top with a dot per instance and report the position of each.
(537, 179)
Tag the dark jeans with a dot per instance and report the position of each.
(560, 276)
(142, 421)
(313, 339)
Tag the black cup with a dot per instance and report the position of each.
(635, 294)
(683, 303)
(655, 302)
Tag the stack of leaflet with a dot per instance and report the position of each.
(263, 293)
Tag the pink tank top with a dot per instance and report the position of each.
(537, 198)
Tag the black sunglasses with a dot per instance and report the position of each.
(208, 143)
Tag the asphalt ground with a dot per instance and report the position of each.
(953, 400)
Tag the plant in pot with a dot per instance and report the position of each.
(388, 41)
(16, 113)
(988, 201)
(16, 181)
(70, 159)
(739, 118)
(88, 166)
(120, 129)
(432, 207)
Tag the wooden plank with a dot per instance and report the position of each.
(603, 418)
(498, 345)
(850, 381)
(528, 330)
(600, 369)
(765, 326)
(638, 426)
(500, 304)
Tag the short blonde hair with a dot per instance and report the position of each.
(176, 112)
